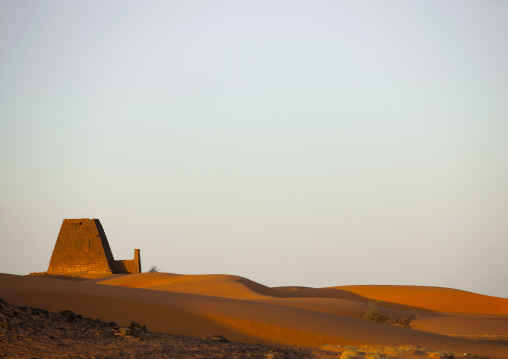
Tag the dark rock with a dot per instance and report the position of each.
(218, 338)
(68, 315)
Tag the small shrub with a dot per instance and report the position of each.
(406, 321)
(374, 315)
(154, 269)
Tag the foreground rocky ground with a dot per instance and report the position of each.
(36, 333)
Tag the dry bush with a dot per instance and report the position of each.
(374, 315)
(407, 320)
(154, 269)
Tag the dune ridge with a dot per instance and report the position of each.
(431, 298)
(216, 285)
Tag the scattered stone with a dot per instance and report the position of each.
(218, 338)
(128, 332)
(348, 351)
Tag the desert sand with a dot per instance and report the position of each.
(245, 311)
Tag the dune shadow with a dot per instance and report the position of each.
(333, 293)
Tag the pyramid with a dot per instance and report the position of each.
(82, 248)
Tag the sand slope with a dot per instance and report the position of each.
(430, 298)
(243, 310)
(216, 285)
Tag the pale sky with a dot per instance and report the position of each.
(314, 143)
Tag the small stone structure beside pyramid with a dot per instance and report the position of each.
(82, 248)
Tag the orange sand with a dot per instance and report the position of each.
(243, 310)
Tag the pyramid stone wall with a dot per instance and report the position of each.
(128, 265)
(82, 247)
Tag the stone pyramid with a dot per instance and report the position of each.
(82, 247)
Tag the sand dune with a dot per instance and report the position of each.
(430, 298)
(216, 285)
(243, 310)
(459, 325)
